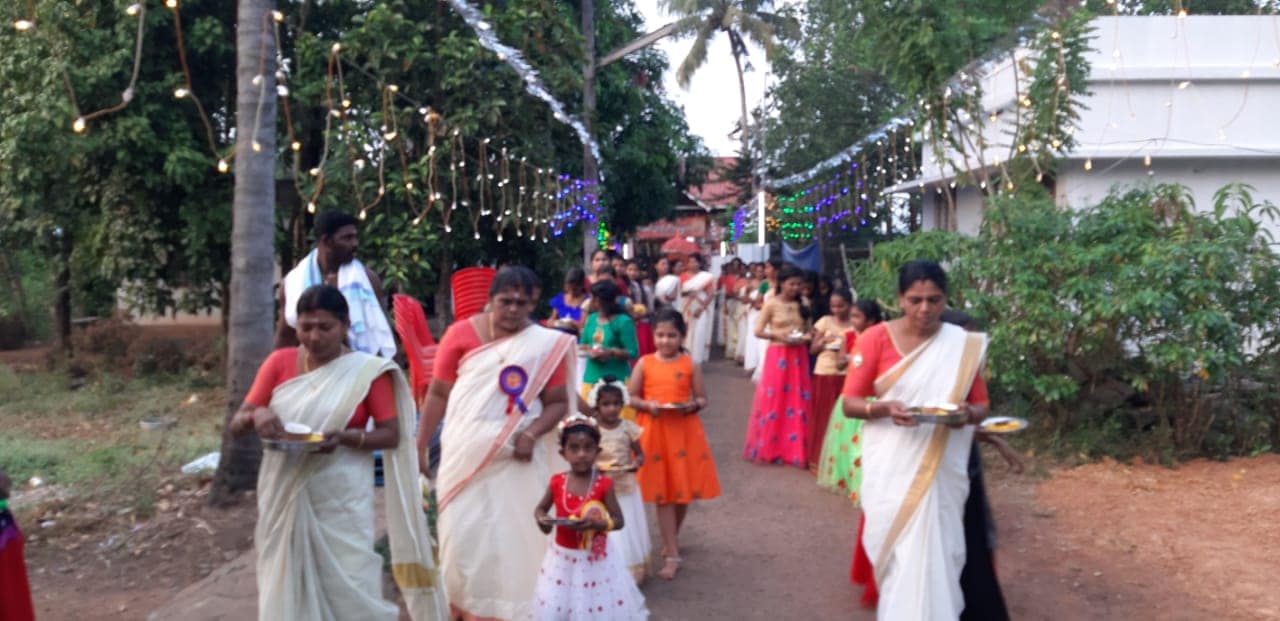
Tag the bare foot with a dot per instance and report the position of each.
(670, 566)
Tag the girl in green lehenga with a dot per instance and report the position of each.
(840, 467)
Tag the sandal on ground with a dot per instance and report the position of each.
(670, 565)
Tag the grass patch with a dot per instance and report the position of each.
(88, 439)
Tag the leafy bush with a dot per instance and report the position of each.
(109, 337)
(13, 332)
(1140, 323)
(152, 355)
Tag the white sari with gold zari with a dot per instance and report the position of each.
(490, 545)
(315, 527)
(697, 295)
(915, 482)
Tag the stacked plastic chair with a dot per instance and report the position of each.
(419, 345)
(470, 288)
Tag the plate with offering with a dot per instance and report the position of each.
(559, 521)
(619, 468)
(831, 347)
(297, 438)
(939, 413)
(673, 406)
(1003, 424)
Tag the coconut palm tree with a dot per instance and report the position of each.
(740, 20)
(252, 236)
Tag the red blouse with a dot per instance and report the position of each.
(879, 354)
(458, 341)
(282, 366)
(568, 504)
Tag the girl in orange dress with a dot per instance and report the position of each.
(667, 391)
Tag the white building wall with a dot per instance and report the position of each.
(1198, 96)
(1203, 178)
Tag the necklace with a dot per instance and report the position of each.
(564, 493)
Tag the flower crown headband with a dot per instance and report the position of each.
(578, 420)
(593, 396)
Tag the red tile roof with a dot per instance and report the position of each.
(716, 191)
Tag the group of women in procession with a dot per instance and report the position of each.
(556, 432)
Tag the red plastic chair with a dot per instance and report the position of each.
(470, 288)
(419, 345)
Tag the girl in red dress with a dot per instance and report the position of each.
(578, 578)
(15, 592)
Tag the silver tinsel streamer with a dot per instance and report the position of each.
(846, 155)
(532, 83)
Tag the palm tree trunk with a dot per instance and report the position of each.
(249, 338)
(742, 95)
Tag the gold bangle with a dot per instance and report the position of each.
(867, 410)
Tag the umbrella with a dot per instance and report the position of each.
(680, 245)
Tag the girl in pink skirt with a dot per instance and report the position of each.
(780, 412)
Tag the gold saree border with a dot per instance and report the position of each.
(970, 362)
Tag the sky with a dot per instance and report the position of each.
(711, 103)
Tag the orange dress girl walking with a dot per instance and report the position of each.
(667, 392)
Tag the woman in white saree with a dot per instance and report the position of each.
(496, 454)
(315, 528)
(697, 304)
(915, 477)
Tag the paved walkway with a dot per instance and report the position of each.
(773, 546)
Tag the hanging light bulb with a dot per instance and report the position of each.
(296, 146)
(256, 146)
(173, 4)
(1088, 164)
(364, 214)
(223, 166)
(311, 207)
(78, 126)
(278, 16)
(282, 90)
(179, 93)
(133, 9)
(1146, 161)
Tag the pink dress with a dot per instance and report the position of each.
(777, 432)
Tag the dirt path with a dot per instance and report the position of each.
(773, 546)
(1103, 541)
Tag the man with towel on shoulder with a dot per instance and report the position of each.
(333, 262)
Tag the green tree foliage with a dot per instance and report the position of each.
(1138, 324)
(828, 94)
(136, 197)
(138, 201)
